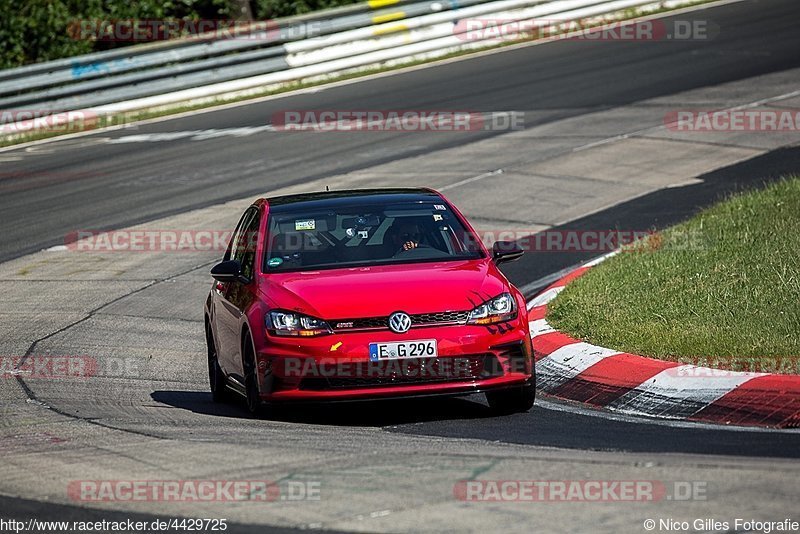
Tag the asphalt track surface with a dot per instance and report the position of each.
(39, 194)
(86, 184)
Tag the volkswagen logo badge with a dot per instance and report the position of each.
(399, 322)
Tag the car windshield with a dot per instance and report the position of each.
(350, 236)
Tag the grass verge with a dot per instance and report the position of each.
(725, 286)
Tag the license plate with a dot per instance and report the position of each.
(422, 348)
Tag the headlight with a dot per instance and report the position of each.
(283, 323)
(497, 310)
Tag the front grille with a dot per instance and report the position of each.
(405, 372)
(422, 319)
(441, 317)
(360, 324)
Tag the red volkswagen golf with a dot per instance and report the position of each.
(365, 294)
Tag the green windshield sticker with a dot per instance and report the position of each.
(274, 262)
(308, 224)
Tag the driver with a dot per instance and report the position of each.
(406, 235)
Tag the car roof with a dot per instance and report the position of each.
(325, 199)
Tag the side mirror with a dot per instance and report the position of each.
(229, 271)
(506, 251)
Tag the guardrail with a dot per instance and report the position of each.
(131, 51)
(170, 59)
(166, 73)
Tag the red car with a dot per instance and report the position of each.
(365, 294)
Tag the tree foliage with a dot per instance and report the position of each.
(32, 31)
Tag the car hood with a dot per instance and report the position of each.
(379, 291)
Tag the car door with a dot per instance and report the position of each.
(234, 297)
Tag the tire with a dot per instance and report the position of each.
(509, 401)
(252, 393)
(216, 378)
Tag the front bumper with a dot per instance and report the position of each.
(338, 367)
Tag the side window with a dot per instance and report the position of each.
(237, 233)
(245, 246)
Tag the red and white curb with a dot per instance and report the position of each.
(626, 383)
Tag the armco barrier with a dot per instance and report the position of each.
(169, 59)
(168, 73)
